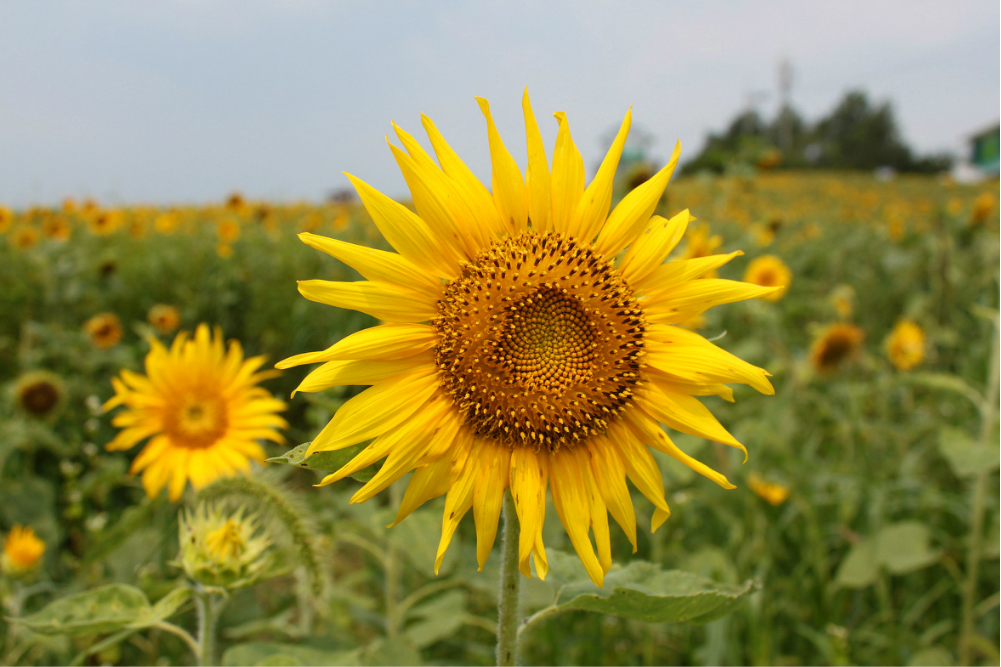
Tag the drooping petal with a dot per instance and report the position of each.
(687, 355)
(610, 476)
(597, 198)
(632, 214)
(488, 497)
(573, 505)
(686, 414)
(651, 434)
(459, 500)
(508, 184)
(529, 478)
(599, 512)
(383, 301)
(436, 478)
(641, 469)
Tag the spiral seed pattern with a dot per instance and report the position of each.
(540, 341)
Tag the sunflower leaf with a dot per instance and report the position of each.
(325, 461)
(642, 591)
(99, 610)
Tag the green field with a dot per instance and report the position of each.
(877, 542)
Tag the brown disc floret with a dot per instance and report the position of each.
(540, 341)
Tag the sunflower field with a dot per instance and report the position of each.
(863, 528)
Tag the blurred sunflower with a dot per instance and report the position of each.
(835, 345)
(773, 494)
(201, 406)
(548, 361)
(982, 207)
(228, 230)
(57, 228)
(165, 319)
(21, 551)
(843, 300)
(6, 219)
(24, 237)
(103, 223)
(105, 330)
(39, 393)
(769, 271)
(165, 223)
(906, 345)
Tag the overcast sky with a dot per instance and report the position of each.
(186, 101)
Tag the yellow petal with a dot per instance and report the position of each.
(404, 455)
(639, 465)
(573, 505)
(435, 479)
(568, 179)
(537, 178)
(685, 414)
(383, 301)
(687, 300)
(406, 232)
(360, 371)
(488, 497)
(632, 214)
(377, 409)
(685, 354)
(529, 478)
(599, 513)
(443, 439)
(386, 341)
(508, 185)
(651, 434)
(667, 276)
(377, 265)
(458, 501)
(594, 204)
(610, 476)
(474, 194)
(652, 247)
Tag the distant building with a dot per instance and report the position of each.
(984, 149)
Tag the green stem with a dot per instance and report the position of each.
(392, 573)
(208, 614)
(977, 512)
(508, 597)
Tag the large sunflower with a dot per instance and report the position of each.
(529, 341)
(200, 405)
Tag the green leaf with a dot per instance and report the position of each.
(133, 520)
(437, 619)
(265, 653)
(391, 652)
(325, 461)
(859, 568)
(904, 547)
(165, 607)
(944, 382)
(965, 457)
(931, 656)
(99, 610)
(643, 591)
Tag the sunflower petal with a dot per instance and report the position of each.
(599, 513)
(568, 178)
(685, 354)
(640, 466)
(594, 204)
(537, 178)
(686, 414)
(358, 371)
(459, 500)
(651, 248)
(383, 301)
(610, 476)
(508, 184)
(632, 214)
(488, 497)
(435, 479)
(385, 341)
(666, 276)
(573, 506)
(687, 300)
(528, 482)
(651, 434)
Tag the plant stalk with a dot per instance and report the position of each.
(977, 512)
(508, 597)
(208, 614)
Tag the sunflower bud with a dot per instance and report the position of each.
(219, 549)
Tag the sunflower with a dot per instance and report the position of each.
(770, 492)
(530, 341)
(834, 345)
(228, 230)
(982, 208)
(769, 271)
(201, 406)
(39, 393)
(24, 237)
(165, 319)
(57, 228)
(6, 219)
(21, 551)
(105, 330)
(906, 345)
(103, 223)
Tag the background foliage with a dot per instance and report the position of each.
(863, 562)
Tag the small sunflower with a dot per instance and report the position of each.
(906, 345)
(166, 223)
(24, 237)
(769, 271)
(982, 207)
(530, 342)
(21, 551)
(228, 230)
(6, 219)
(103, 223)
(165, 319)
(836, 344)
(201, 406)
(39, 393)
(57, 228)
(105, 330)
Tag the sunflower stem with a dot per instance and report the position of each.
(208, 614)
(508, 598)
(974, 554)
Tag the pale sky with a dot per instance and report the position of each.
(168, 102)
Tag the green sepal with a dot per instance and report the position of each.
(325, 461)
